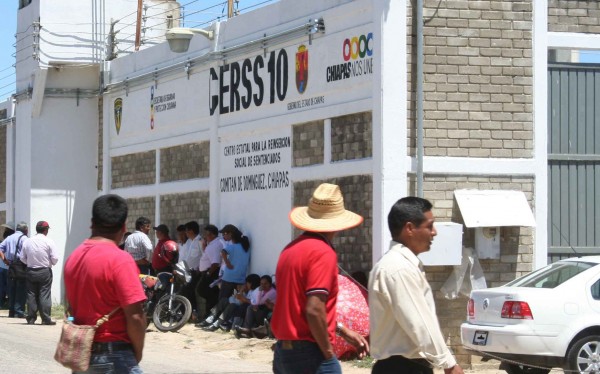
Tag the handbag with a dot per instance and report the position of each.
(17, 269)
(74, 348)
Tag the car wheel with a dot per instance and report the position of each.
(522, 369)
(584, 355)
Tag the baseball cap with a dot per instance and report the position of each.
(42, 225)
(162, 228)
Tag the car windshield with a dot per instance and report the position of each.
(552, 275)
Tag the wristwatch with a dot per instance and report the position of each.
(338, 328)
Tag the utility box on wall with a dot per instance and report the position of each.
(488, 210)
(446, 248)
(487, 242)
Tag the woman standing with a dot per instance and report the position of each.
(236, 257)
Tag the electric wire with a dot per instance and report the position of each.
(7, 76)
(5, 69)
(149, 40)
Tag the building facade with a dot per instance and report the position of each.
(241, 128)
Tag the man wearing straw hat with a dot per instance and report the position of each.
(304, 318)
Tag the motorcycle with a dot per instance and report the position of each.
(165, 306)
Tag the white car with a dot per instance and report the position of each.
(548, 318)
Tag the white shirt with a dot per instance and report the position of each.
(139, 246)
(194, 252)
(39, 252)
(184, 251)
(402, 311)
(211, 255)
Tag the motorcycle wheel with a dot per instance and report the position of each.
(173, 319)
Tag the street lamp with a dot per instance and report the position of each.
(179, 37)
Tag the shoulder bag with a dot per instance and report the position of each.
(74, 348)
(17, 269)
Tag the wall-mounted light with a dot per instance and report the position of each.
(179, 37)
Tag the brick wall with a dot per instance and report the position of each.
(516, 246)
(177, 209)
(187, 161)
(477, 78)
(351, 136)
(307, 143)
(138, 207)
(581, 16)
(354, 246)
(3, 175)
(133, 169)
(100, 141)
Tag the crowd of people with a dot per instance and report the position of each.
(102, 282)
(221, 292)
(26, 272)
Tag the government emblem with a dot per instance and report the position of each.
(118, 108)
(301, 68)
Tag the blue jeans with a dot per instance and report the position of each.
(116, 362)
(17, 293)
(303, 357)
(3, 285)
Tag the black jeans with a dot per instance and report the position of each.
(209, 294)
(400, 364)
(39, 285)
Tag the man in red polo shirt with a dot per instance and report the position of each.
(304, 318)
(165, 253)
(101, 278)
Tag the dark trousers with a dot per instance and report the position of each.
(145, 269)
(209, 294)
(256, 317)
(16, 297)
(400, 364)
(39, 285)
(190, 293)
(226, 289)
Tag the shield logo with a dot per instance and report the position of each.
(301, 68)
(118, 111)
(151, 107)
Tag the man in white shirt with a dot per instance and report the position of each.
(405, 332)
(181, 243)
(39, 254)
(139, 246)
(10, 250)
(192, 254)
(210, 263)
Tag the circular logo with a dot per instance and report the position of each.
(486, 303)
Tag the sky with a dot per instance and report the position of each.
(197, 11)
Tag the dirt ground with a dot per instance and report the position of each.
(226, 344)
(255, 350)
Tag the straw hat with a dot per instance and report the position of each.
(325, 212)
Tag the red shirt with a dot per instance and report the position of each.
(308, 265)
(100, 277)
(163, 255)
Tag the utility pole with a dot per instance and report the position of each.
(229, 8)
(138, 26)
